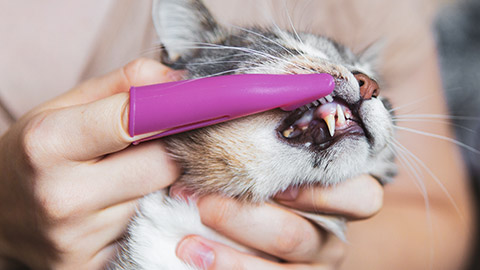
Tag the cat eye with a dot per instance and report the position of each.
(368, 87)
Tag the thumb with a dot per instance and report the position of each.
(142, 71)
(92, 119)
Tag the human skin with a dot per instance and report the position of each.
(70, 184)
(69, 181)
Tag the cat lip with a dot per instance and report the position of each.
(320, 126)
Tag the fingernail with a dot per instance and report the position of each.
(196, 253)
(181, 193)
(290, 194)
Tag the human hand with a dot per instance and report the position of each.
(67, 191)
(278, 232)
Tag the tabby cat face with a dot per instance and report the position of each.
(257, 156)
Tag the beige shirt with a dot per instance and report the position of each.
(49, 46)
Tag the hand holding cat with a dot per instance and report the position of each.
(280, 233)
(80, 183)
(63, 160)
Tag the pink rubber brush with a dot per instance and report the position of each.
(175, 107)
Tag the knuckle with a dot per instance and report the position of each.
(33, 138)
(222, 216)
(131, 69)
(375, 202)
(60, 206)
(64, 239)
(61, 241)
(293, 238)
(153, 167)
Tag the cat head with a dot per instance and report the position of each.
(257, 156)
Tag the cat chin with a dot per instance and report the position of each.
(246, 159)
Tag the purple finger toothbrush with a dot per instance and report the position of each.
(175, 107)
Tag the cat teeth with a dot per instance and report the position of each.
(330, 120)
(326, 99)
(292, 132)
(340, 116)
(287, 133)
(335, 116)
(348, 114)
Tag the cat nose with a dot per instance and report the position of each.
(368, 87)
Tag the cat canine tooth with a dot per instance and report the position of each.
(323, 101)
(340, 115)
(330, 120)
(329, 98)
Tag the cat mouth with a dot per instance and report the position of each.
(320, 125)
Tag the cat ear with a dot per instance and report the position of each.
(182, 25)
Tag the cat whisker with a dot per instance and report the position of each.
(215, 62)
(248, 50)
(231, 71)
(150, 51)
(419, 100)
(436, 116)
(265, 38)
(413, 168)
(456, 142)
(432, 175)
(443, 122)
(294, 30)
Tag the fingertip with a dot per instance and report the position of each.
(145, 71)
(356, 198)
(374, 191)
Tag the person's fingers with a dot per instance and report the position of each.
(109, 224)
(89, 121)
(210, 255)
(364, 198)
(267, 228)
(74, 189)
(134, 172)
(93, 231)
(104, 257)
(81, 132)
(142, 71)
(83, 238)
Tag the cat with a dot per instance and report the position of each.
(255, 157)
